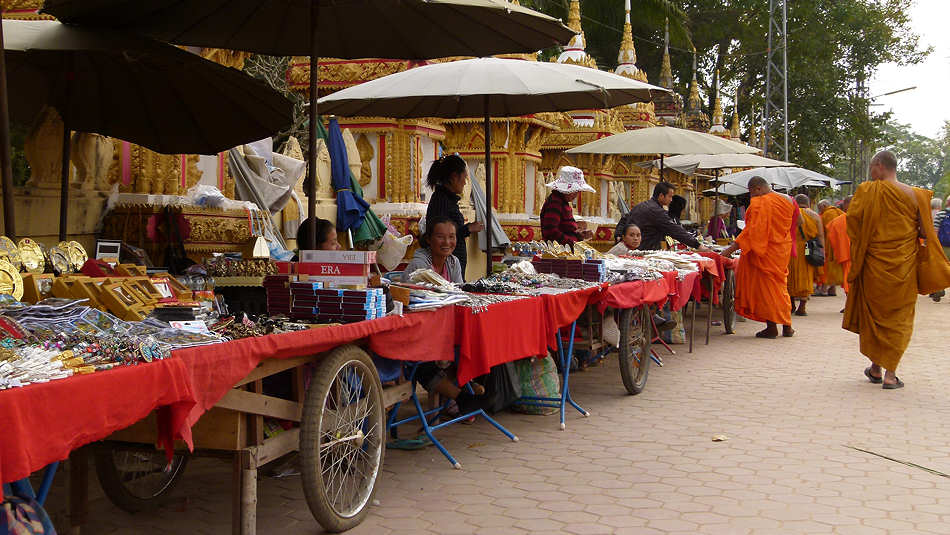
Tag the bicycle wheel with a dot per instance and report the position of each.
(134, 476)
(729, 302)
(341, 438)
(634, 350)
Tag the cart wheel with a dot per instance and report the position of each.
(341, 438)
(134, 476)
(729, 302)
(634, 350)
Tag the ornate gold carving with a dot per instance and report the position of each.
(92, 155)
(228, 58)
(366, 151)
(44, 150)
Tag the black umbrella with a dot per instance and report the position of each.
(133, 88)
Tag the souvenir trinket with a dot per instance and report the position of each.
(31, 255)
(11, 282)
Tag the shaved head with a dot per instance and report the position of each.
(885, 159)
(758, 186)
(823, 204)
(803, 200)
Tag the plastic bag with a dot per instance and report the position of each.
(393, 250)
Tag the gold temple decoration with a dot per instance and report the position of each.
(10, 252)
(31, 255)
(11, 282)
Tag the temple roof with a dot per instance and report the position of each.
(576, 50)
(666, 70)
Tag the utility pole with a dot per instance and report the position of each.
(775, 115)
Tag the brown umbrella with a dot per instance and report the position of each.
(133, 88)
(348, 29)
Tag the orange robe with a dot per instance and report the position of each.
(839, 246)
(766, 243)
(884, 226)
(831, 273)
(801, 274)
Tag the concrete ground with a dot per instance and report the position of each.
(796, 413)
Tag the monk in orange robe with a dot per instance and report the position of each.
(839, 245)
(801, 274)
(830, 275)
(766, 243)
(890, 266)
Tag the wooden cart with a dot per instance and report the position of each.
(341, 439)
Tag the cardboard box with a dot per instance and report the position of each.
(338, 257)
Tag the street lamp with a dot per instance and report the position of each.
(864, 157)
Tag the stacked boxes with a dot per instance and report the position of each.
(588, 270)
(310, 300)
(278, 294)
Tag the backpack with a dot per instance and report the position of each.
(943, 232)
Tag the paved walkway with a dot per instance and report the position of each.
(794, 411)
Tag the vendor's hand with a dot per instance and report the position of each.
(476, 226)
(586, 234)
(728, 252)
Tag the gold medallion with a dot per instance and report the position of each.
(31, 256)
(10, 250)
(10, 280)
(77, 255)
(59, 259)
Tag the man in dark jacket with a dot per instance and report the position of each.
(654, 222)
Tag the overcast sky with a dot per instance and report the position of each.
(928, 106)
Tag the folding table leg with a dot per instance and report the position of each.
(692, 326)
(564, 357)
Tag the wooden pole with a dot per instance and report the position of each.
(488, 188)
(6, 165)
(312, 157)
(64, 187)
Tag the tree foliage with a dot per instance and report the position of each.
(923, 161)
(832, 46)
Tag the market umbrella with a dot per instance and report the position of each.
(782, 177)
(409, 29)
(663, 140)
(350, 209)
(486, 87)
(688, 163)
(730, 190)
(133, 88)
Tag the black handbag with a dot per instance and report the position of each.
(814, 252)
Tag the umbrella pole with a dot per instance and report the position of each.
(661, 168)
(6, 165)
(312, 129)
(488, 189)
(64, 191)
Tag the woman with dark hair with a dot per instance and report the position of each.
(435, 253)
(677, 205)
(326, 235)
(447, 178)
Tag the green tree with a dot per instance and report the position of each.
(924, 161)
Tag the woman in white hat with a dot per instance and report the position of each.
(557, 217)
(717, 225)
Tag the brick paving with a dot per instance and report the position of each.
(792, 409)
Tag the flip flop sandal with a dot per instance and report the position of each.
(875, 380)
(788, 334)
(893, 386)
(763, 334)
(409, 444)
(801, 313)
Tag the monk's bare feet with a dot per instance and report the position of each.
(801, 309)
(770, 332)
(891, 381)
(788, 331)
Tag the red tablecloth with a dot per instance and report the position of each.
(42, 423)
(501, 333)
(685, 289)
(635, 293)
(722, 265)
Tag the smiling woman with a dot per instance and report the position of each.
(438, 242)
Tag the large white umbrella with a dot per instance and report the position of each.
(782, 177)
(731, 190)
(486, 87)
(687, 164)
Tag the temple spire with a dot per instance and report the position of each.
(576, 50)
(734, 127)
(666, 71)
(717, 118)
(627, 58)
(694, 102)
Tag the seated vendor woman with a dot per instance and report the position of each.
(326, 236)
(438, 242)
(629, 242)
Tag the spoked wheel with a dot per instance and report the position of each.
(341, 438)
(134, 476)
(729, 302)
(634, 351)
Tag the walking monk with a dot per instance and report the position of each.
(830, 275)
(889, 266)
(839, 245)
(766, 243)
(801, 274)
